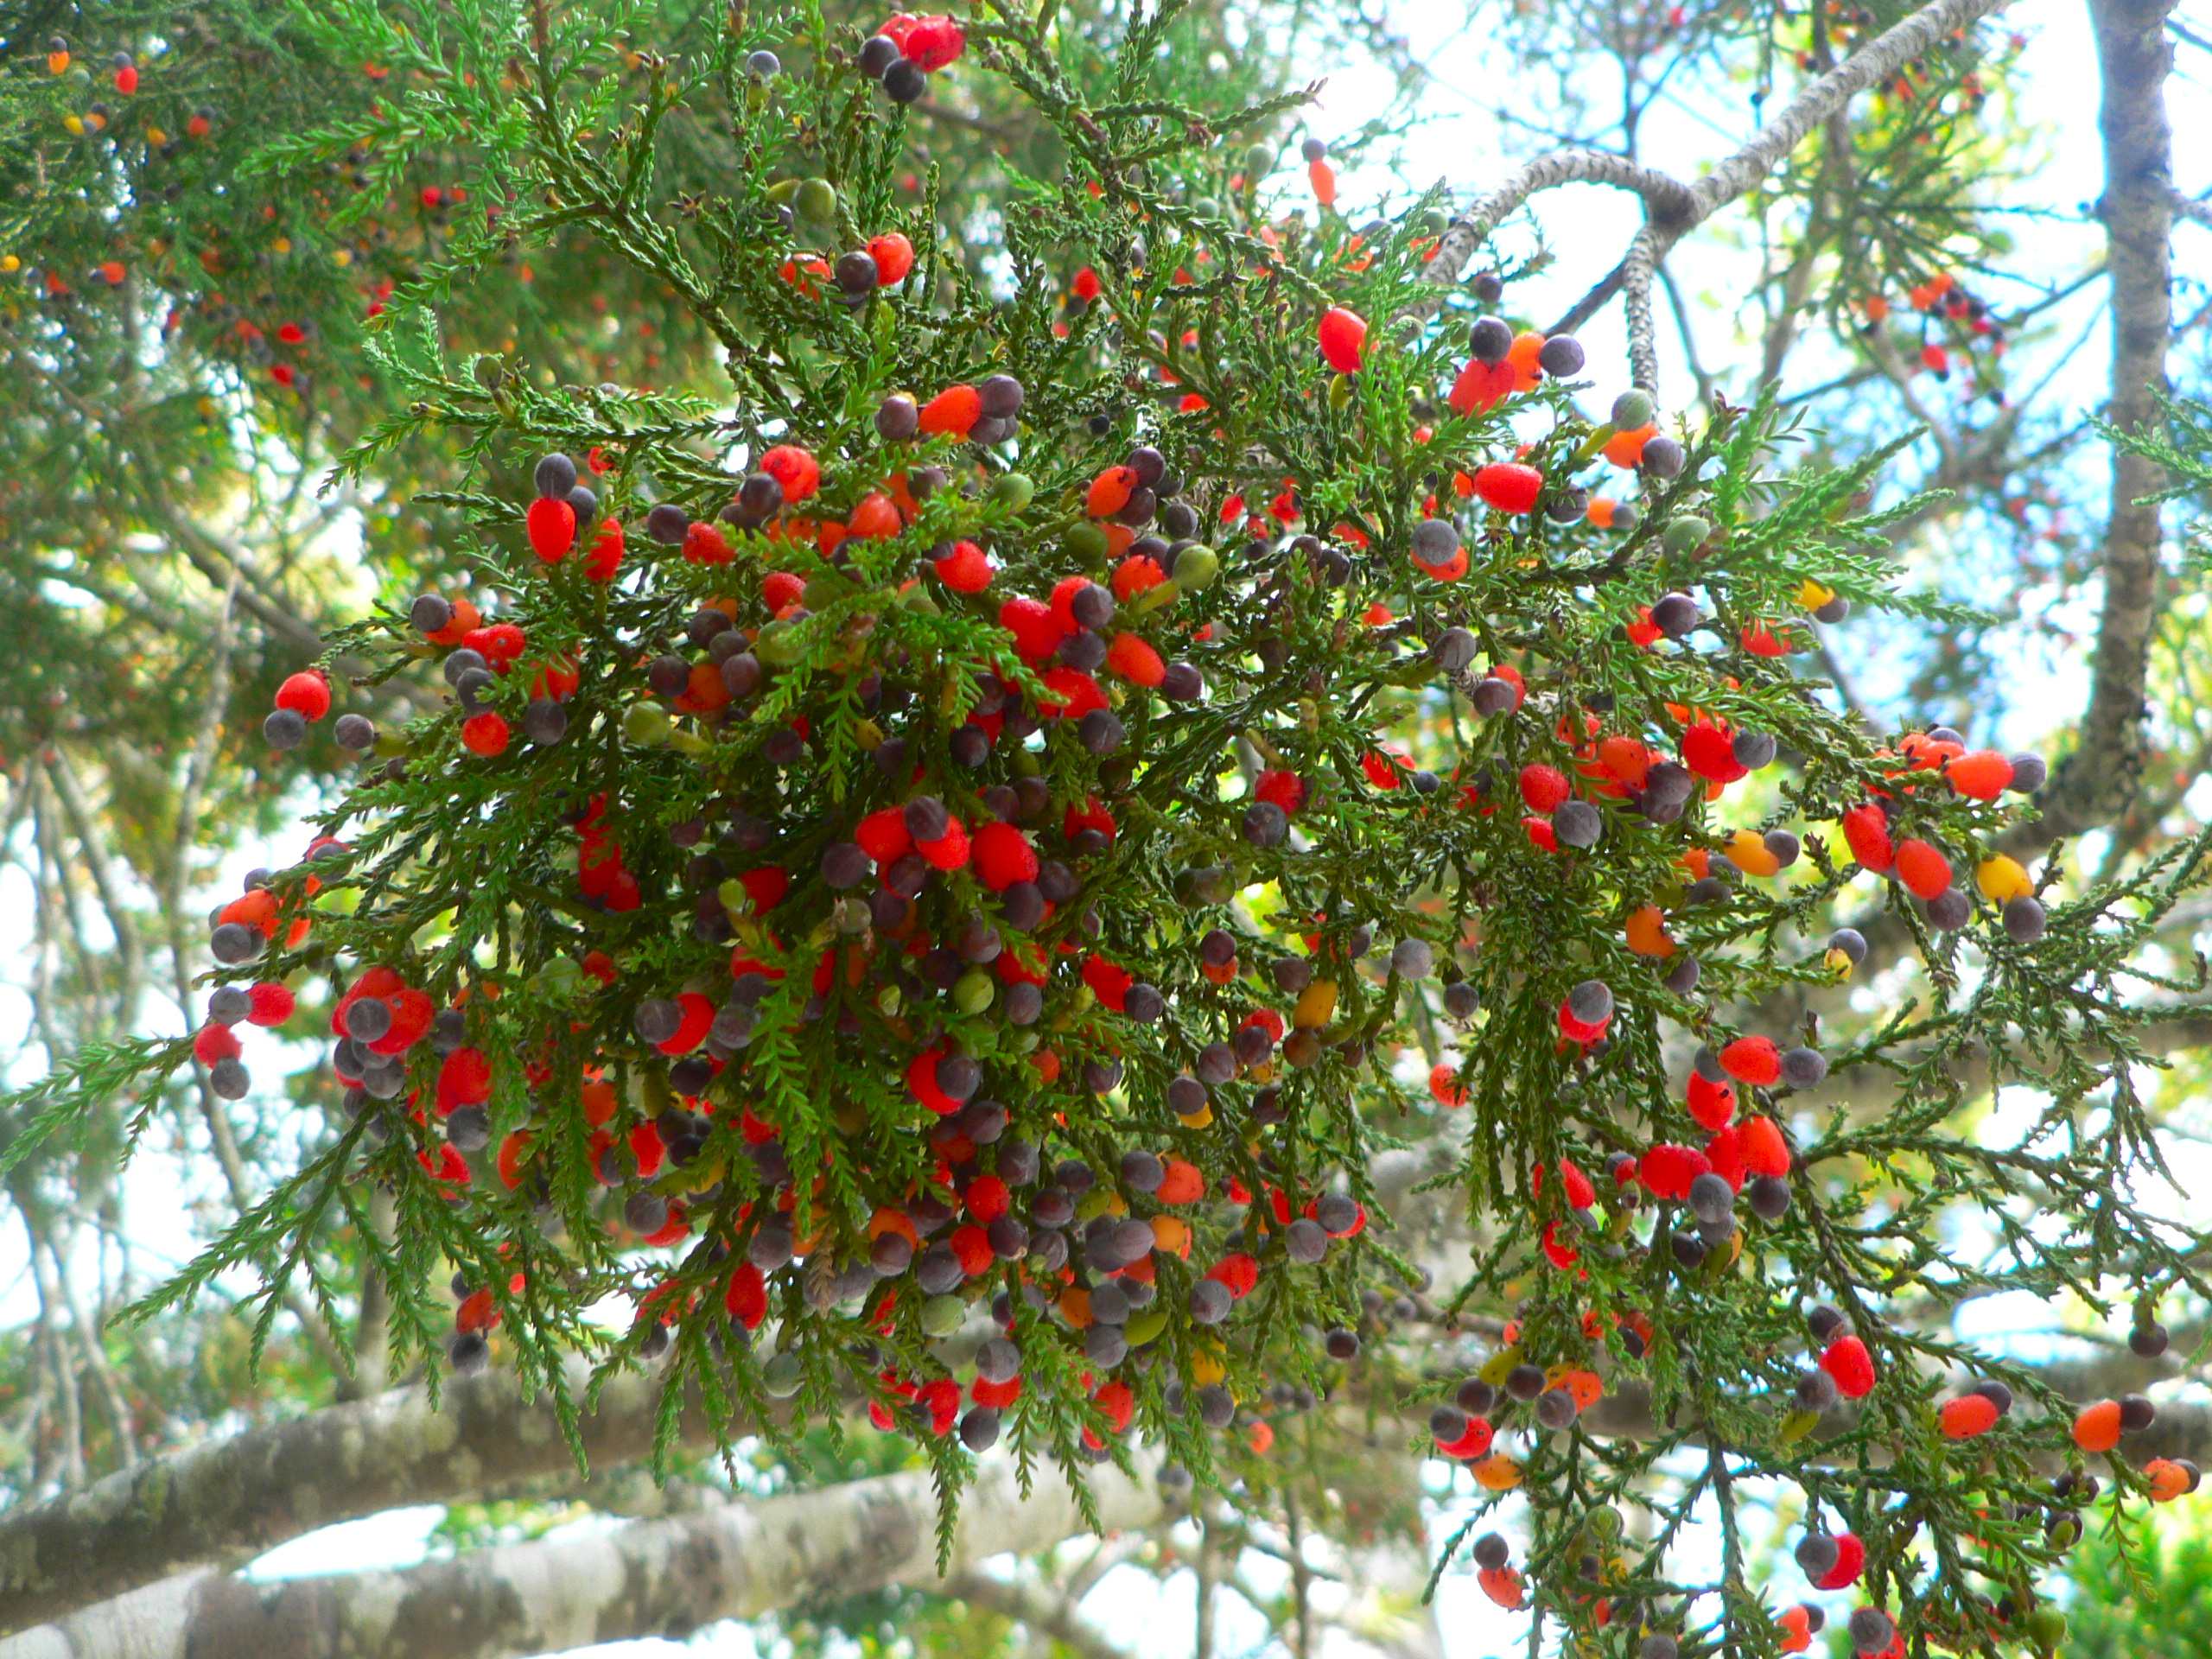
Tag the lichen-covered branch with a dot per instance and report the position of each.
(1674, 209)
(647, 1578)
(226, 1500)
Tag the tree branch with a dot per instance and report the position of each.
(225, 1501)
(645, 1579)
(1673, 209)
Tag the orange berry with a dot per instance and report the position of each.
(2169, 1479)
(2096, 1428)
(874, 520)
(1109, 492)
(1646, 933)
(1626, 449)
(1924, 871)
(1135, 660)
(1982, 775)
(953, 412)
(1969, 1415)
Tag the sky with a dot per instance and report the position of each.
(1586, 228)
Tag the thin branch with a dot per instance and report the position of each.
(1673, 216)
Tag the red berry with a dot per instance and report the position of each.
(1136, 661)
(1509, 485)
(746, 1299)
(1765, 1152)
(966, 569)
(1711, 1104)
(1543, 787)
(211, 1043)
(1969, 1415)
(1924, 871)
(606, 556)
(1037, 633)
(895, 256)
(884, 837)
(950, 850)
(953, 412)
(933, 42)
(703, 543)
(307, 694)
(1850, 1562)
(1667, 1171)
(1868, 833)
(269, 1004)
(1847, 1360)
(1754, 1060)
(1709, 751)
(485, 734)
(795, 468)
(1343, 339)
(464, 1079)
(1002, 856)
(552, 528)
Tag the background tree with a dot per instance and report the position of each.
(97, 448)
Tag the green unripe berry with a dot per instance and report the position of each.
(1086, 545)
(1632, 409)
(646, 725)
(782, 1376)
(1196, 566)
(1685, 534)
(973, 991)
(1145, 1324)
(557, 980)
(943, 1315)
(816, 200)
(779, 645)
(1014, 490)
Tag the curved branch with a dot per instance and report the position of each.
(225, 1501)
(645, 1579)
(1665, 197)
(1673, 210)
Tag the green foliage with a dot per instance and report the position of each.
(2141, 1589)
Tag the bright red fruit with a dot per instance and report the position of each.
(1509, 485)
(1343, 339)
(552, 527)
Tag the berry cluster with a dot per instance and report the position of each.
(933, 890)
